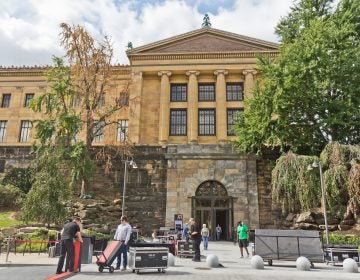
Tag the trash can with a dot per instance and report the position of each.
(86, 250)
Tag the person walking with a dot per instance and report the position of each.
(122, 234)
(242, 231)
(205, 236)
(195, 233)
(218, 230)
(70, 231)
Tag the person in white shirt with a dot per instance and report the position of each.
(122, 234)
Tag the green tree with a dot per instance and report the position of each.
(46, 201)
(310, 94)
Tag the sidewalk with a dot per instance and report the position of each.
(227, 252)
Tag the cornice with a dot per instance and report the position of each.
(31, 71)
(215, 55)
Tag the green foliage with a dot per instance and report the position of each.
(98, 235)
(46, 200)
(19, 177)
(293, 187)
(309, 95)
(335, 238)
(10, 196)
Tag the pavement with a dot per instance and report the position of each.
(34, 267)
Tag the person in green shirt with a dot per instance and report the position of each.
(242, 231)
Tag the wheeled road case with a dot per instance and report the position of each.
(108, 256)
(338, 253)
(184, 249)
(141, 258)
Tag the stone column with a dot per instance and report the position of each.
(164, 107)
(192, 125)
(249, 82)
(221, 125)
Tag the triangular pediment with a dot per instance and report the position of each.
(205, 40)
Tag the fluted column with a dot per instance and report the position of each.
(221, 126)
(192, 106)
(164, 107)
(249, 82)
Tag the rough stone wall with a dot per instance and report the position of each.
(191, 165)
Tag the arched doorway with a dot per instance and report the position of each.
(212, 205)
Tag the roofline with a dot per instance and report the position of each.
(199, 31)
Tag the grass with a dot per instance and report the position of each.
(6, 220)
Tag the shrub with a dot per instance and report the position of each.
(20, 178)
(10, 196)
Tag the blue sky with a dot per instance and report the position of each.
(29, 29)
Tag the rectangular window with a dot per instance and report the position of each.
(28, 98)
(178, 93)
(122, 130)
(123, 99)
(101, 100)
(3, 125)
(206, 92)
(234, 91)
(75, 101)
(178, 121)
(232, 115)
(207, 122)
(25, 131)
(99, 131)
(5, 102)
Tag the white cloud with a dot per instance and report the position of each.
(29, 29)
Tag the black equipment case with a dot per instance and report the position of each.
(184, 249)
(108, 256)
(148, 258)
(338, 253)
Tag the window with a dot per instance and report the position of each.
(122, 130)
(178, 121)
(207, 122)
(123, 99)
(28, 98)
(232, 115)
(3, 125)
(5, 102)
(75, 101)
(101, 100)
(25, 131)
(178, 93)
(206, 92)
(234, 91)
(99, 131)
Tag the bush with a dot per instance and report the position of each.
(10, 196)
(20, 178)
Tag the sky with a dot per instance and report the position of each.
(29, 29)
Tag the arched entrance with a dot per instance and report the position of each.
(212, 205)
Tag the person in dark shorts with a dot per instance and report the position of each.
(70, 231)
(242, 231)
(195, 233)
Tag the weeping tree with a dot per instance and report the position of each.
(296, 188)
(341, 178)
(293, 187)
(75, 109)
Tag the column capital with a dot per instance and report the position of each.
(168, 73)
(250, 71)
(217, 72)
(189, 73)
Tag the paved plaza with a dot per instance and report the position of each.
(35, 267)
